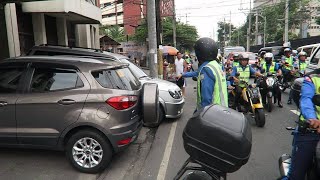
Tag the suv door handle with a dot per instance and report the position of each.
(66, 101)
(3, 103)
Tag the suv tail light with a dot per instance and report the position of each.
(122, 102)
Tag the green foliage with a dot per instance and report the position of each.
(318, 20)
(224, 26)
(114, 32)
(186, 34)
(275, 15)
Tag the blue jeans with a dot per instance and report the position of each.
(303, 151)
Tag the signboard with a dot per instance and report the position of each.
(166, 7)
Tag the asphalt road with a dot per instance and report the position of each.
(158, 153)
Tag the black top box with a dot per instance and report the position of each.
(218, 138)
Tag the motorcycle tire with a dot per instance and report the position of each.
(198, 175)
(260, 117)
(269, 104)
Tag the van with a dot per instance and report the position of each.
(309, 49)
(314, 60)
(229, 49)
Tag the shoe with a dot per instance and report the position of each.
(280, 104)
(289, 102)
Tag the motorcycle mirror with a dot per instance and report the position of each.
(238, 74)
(195, 78)
(262, 71)
(316, 100)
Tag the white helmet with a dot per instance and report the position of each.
(268, 55)
(294, 52)
(287, 50)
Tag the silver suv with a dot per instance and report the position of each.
(90, 109)
(170, 97)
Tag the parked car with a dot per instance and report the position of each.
(88, 108)
(309, 49)
(314, 60)
(170, 95)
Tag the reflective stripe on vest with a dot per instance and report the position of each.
(244, 74)
(220, 95)
(272, 67)
(316, 81)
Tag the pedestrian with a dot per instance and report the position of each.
(304, 143)
(211, 82)
(180, 68)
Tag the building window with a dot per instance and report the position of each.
(91, 2)
(105, 5)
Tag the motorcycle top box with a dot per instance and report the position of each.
(218, 138)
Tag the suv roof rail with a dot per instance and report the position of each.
(96, 50)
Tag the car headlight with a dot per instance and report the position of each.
(174, 94)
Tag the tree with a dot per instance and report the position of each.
(224, 36)
(114, 32)
(186, 34)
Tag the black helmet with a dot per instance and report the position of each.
(235, 57)
(262, 53)
(206, 49)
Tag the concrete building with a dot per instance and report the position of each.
(56, 22)
(112, 12)
(130, 13)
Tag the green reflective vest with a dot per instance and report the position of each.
(235, 64)
(302, 66)
(272, 68)
(290, 61)
(220, 93)
(316, 81)
(244, 74)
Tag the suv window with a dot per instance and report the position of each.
(54, 79)
(315, 58)
(117, 79)
(9, 79)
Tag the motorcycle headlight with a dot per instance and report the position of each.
(270, 82)
(174, 94)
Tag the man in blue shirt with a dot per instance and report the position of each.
(212, 86)
(245, 71)
(304, 143)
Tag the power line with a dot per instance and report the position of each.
(209, 7)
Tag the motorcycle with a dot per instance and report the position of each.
(267, 84)
(286, 82)
(251, 101)
(313, 173)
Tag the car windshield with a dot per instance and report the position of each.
(135, 69)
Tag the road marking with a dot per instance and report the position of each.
(295, 112)
(166, 156)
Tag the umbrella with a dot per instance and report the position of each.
(169, 50)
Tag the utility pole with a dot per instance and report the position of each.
(152, 36)
(230, 30)
(158, 21)
(186, 18)
(286, 27)
(174, 25)
(249, 29)
(238, 37)
(257, 28)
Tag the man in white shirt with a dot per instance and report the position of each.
(180, 68)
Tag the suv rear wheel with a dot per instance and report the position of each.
(88, 151)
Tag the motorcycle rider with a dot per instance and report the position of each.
(235, 60)
(211, 83)
(295, 54)
(261, 59)
(301, 66)
(304, 144)
(271, 67)
(245, 71)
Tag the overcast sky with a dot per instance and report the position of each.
(205, 14)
